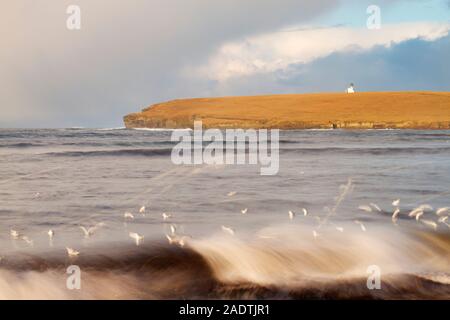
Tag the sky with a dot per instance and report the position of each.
(130, 54)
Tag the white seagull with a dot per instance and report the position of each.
(305, 212)
(395, 215)
(142, 210)
(365, 208)
(419, 215)
(429, 223)
(415, 212)
(128, 215)
(90, 231)
(228, 230)
(137, 237)
(395, 203)
(51, 233)
(363, 228)
(375, 206)
(291, 215)
(231, 193)
(426, 207)
(175, 240)
(442, 210)
(14, 234)
(72, 252)
(28, 240)
(166, 216)
(244, 211)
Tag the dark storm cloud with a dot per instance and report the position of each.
(126, 55)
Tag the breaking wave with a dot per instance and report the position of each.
(276, 263)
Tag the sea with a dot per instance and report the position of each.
(323, 227)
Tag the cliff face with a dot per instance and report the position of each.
(374, 110)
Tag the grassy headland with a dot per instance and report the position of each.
(371, 110)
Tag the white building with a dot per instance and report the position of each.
(351, 89)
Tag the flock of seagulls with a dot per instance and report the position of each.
(175, 239)
(416, 213)
(16, 236)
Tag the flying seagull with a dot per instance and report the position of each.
(90, 231)
(426, 207)
(375, 206)
(418, 215)
(291, 215)
(228, 230)
(128, 215)
(365, 208)
(166, 216)
(175, 240)
(429, 223)
(14, 234)
(72, 252)
(137, 237)
(363, 228)
(395, 215)
(415, 212)
(28, 240)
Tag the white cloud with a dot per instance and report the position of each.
(278, 50)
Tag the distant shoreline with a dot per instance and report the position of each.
(371, 110)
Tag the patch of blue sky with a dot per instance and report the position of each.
(354, 13)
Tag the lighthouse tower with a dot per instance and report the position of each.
(351, 89)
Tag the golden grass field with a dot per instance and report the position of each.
(405, 110)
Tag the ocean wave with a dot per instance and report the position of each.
(111, 129)
(160, 129)
(21, 145)
(148, 152)
(115, 152)
(371, 150)
(280, 263)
